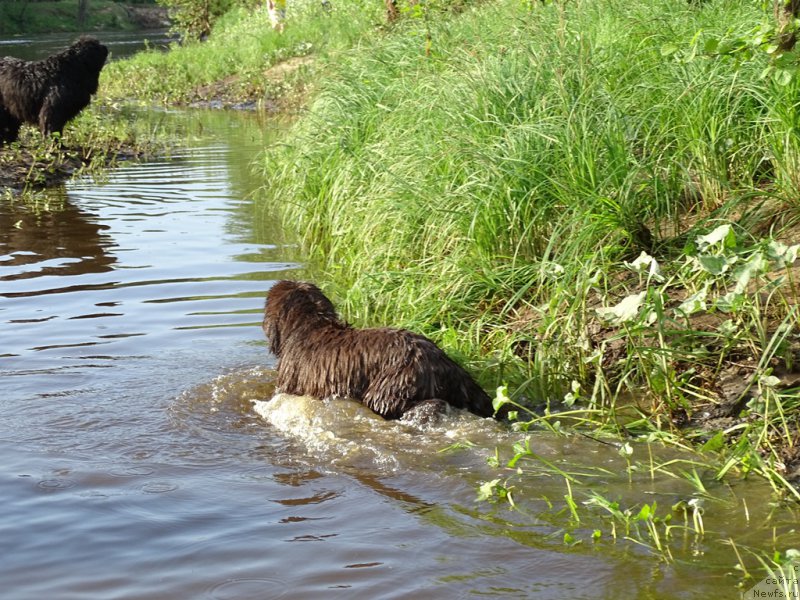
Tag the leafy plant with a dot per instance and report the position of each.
(193, 19)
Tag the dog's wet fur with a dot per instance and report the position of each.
(394, 372)
(49, 93)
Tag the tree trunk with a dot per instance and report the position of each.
(391, 11)
(83, 10)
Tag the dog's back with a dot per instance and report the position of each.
(405, 368)
(19, 95)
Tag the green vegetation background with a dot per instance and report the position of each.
(593, 205)
(62, 15)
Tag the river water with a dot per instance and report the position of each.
(120, 43)
(145, 457)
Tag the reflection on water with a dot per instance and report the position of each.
(143, 457)
(63, 240)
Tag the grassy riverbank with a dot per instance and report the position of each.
(493, 180)
(243, 61)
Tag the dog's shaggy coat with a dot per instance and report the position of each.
(391, 371)
(50, 92)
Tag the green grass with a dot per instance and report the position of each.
(93, 141)
(485, 178)
(240, 51)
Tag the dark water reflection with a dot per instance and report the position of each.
(135, 465)
(63, 240)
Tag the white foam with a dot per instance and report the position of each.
(340, 431)
(345, 432)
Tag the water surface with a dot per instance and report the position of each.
(120, 43)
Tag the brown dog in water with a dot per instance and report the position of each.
(391, 371)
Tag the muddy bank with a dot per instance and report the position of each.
(148, 17)
(280, 91)
(34, 163)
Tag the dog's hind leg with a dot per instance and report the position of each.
(427, 412)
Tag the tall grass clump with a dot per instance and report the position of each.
(534, 186)
(240, 50)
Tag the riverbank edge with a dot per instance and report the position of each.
(33, 163)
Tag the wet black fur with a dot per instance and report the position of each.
(391, 371)
(48, 93)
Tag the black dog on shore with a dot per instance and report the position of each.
(391, 371)
(48, 92)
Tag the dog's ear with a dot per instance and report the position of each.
(272, 331)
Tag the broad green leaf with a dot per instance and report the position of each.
(711, 45)
(756, 265)
(724, 47)
(645, 263)
(501, 398)
(627, 310)
(730, 302)
(641, 264)
(668, 49)
(694, 303)
(716, 265)
(783, 76)
(793, 554)
(487, 489)
(625, 450)
(782, 254)
(723, 234)
(715, 444)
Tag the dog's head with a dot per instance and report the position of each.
(89, 53)
(292, 307)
